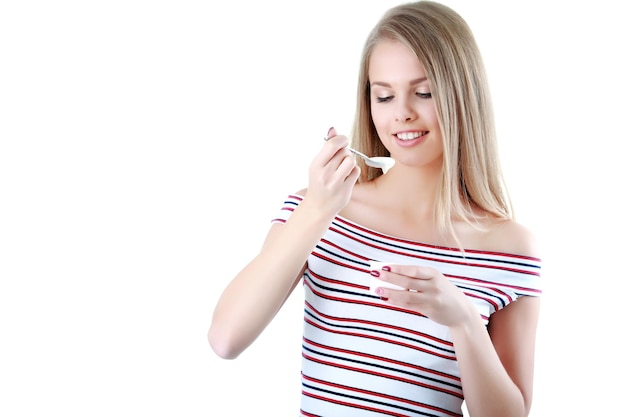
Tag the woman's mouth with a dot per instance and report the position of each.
(410, 135)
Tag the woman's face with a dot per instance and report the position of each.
(403, 111)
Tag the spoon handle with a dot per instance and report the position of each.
(354, 151)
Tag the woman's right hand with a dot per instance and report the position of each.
(332, 174)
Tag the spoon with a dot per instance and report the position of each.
(383, 162)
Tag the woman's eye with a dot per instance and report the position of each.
(383, 99)
(424, 95)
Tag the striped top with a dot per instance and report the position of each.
(364, 357)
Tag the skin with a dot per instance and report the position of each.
(497, 362)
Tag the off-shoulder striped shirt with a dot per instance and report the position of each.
(364, 357)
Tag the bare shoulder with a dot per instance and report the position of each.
(513, 237)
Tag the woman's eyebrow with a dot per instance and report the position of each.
(387, 85)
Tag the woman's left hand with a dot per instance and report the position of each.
(429, 292)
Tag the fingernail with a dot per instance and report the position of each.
(329, 130)
(386, 268)
(380, 291)
(375, 273)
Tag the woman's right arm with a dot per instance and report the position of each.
(259, 290)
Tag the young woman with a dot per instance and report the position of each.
(462, 325)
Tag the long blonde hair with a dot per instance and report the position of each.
(446, 48)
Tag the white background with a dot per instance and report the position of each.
(145, 145)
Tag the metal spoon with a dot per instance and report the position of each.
(383, 162)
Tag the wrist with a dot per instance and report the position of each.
(316, 212)
(471, 323)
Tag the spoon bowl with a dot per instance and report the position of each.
(383, 162)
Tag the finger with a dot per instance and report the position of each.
(331, 133)
(410, 277)
(402, 298)
(414, 271)
(329, 150)
(347, 164)
(354, 174)
(340, 153)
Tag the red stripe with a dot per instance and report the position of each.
(368, 303)
(378, 324)
(347, 222)
(380, 339)
(374, 394)
(448, 261)
(454, 378)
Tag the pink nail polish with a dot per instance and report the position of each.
(380, 291)
(386, 268)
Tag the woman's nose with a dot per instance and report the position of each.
(405, 113)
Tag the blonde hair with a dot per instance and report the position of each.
(446, 48)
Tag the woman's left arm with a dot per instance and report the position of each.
(495, 362)
(497, 365)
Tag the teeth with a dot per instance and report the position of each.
(409, 135)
